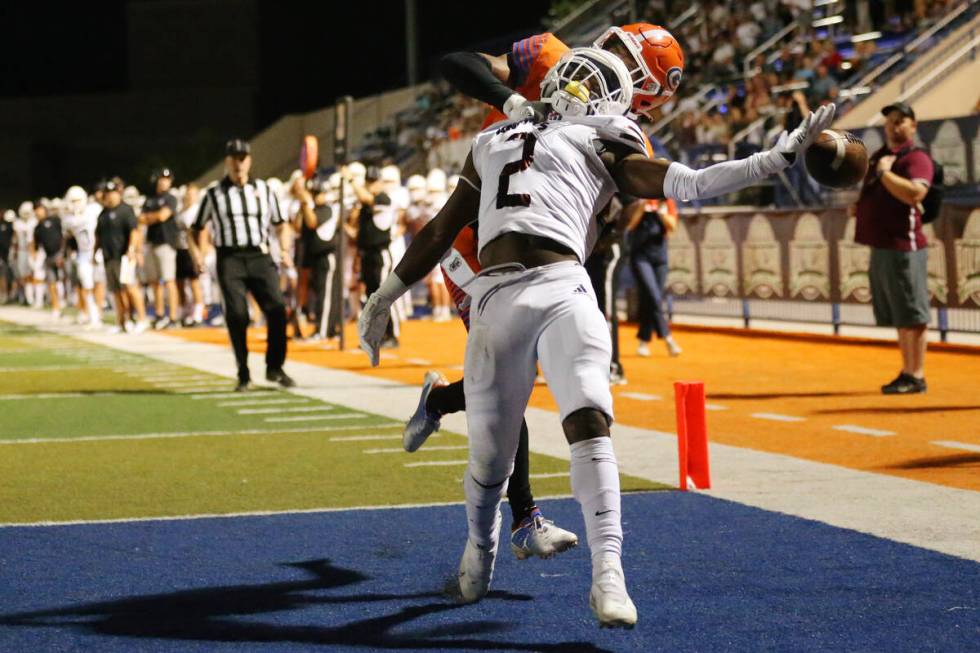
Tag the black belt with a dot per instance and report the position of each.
(239, 250)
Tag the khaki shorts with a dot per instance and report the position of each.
(163, 267)
(900, 287)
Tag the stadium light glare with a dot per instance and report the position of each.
(867, 36)
(829, 20)
(847, 65)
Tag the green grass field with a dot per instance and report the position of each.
(93, 433)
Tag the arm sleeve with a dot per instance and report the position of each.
(204, 211)
(683, 183)
(471, 75)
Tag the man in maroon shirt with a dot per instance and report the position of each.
(889, 220)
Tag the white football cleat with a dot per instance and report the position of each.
(423, 423)
(537, 536)
(608, 598)
(643, 349)
(475, 572)
(672, 347)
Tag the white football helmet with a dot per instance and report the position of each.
(358, 172)
(588, 82)
(391, 175)
(76, 199)
(25, 211)
(436, 181)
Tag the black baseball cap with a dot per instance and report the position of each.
(160, 173)
(901, 107)
(237, 147)
(111, 185)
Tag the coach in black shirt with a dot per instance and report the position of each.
(316, 223)
(160, 214)
(240, 210)
(49, 238)
(6, 240)
(375, 220)
(117, 235)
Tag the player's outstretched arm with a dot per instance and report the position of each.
(640, 176)
(425, 252)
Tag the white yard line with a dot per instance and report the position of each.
(927, 515)
(548, 475)
(639, 396)
(402, 450)
(953, 444)
(437, 463)
(715, 407)
(226, 395)
(776, 417)
(316, 418)
(262, 402)
(46, 368)
(862, 430)
(186, 434)
(275, 411)
(421, 362)
(369, 438)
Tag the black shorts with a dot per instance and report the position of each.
(185, 265)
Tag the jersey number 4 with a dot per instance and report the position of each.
(505, 199)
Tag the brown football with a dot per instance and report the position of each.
(837, 159)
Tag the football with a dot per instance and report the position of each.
(837, 159)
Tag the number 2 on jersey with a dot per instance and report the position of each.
(505, 199)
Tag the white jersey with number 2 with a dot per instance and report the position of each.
(546, 179)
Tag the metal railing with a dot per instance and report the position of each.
(767, 44)
(936, 73)
(911, 47)
(685, 16)
(698, 98)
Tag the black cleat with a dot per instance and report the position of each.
(243, 386)
(280, 377)
(904, 384)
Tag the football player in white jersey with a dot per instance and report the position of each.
(537, 188)
(79, 223)
(24, 238)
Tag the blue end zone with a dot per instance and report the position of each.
(706, 575)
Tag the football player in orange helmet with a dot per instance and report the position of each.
(655, 60)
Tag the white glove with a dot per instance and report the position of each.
(516, 108)
(371, 326)
(795, 142)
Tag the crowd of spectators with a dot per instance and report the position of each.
(753, 93)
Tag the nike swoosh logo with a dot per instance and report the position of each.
(603, 512)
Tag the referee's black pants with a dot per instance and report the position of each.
(376, 265)
(251, 270)
(323, 269)
(604, 271)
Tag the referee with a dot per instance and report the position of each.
(240, 210)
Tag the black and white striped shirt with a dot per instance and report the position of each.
(240, 215)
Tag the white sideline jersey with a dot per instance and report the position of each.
(81, 227)
(547, 179)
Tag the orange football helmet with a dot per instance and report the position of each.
(657, 62)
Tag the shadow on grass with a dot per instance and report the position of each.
(951, 460)
(894, 410)
(212, 614)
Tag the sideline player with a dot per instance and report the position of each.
(509, 82)
(80, 223)
(537, 188)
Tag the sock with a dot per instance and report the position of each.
(595, 484)
(93, 309)
(198, 312)
(447, 399)
(483, 511)
(29, 293)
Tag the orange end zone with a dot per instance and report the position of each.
(811, 399)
